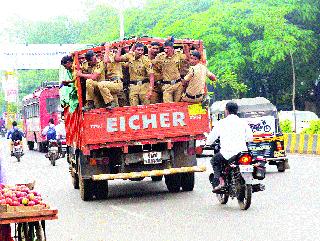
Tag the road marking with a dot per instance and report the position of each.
(134, 214)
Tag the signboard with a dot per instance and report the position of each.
(35, 56)
(262, 126)
(10, 86)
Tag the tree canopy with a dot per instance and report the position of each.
(248, 42)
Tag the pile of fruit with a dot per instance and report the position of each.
(20, 195)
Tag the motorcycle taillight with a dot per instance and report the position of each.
(17, 143)
(245, 159)
(54, 143)
(63, 143)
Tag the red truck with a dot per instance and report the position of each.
(134, 142)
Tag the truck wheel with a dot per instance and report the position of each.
(156, 178)
(173, 182)
(187, 181)
(75, 180)
(85, 189)
(281, 167)
(101, 189)
(30, 145)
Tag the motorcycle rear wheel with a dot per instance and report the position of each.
(223, 198)
(52, 160)
(244, 197)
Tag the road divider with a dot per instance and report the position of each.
(302, 143)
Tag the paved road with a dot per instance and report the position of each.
(289, 208)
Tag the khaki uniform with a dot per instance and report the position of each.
(113, 84)
(170, 69)
(196, 78)
(156, 96)
(139, 70)
(94, 88)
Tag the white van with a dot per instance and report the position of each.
(303, 118)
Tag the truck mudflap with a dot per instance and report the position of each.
(129, 175)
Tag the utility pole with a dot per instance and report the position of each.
(293, 92)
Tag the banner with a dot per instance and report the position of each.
(262, 126)
(35, 56)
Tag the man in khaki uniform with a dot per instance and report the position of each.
(195, 80)
(170, 64)
(95, 73)
(140, 68)
(113, 82)
(153, 51)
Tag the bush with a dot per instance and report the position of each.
(286, 126)
(313, 129)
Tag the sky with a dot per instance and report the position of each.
(45, 9)
(39, 9)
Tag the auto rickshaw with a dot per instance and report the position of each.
(262, 117)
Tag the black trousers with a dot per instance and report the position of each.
(216, 163)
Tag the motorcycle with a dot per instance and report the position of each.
(17, 150)
(63, 148)
(53, 151)
(238, 175)
(3, 131)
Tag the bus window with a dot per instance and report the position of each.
(52, 105)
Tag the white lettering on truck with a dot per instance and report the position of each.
(137, 122)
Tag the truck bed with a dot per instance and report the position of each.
(139, 123)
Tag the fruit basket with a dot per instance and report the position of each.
(21, 205)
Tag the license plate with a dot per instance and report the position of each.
(278, 153)
(152, 158)
(63, 149)
(246, 168)
(54, 148)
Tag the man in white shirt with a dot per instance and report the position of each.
(234, 134)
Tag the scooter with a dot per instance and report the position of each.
(17, 150)
(53, 151)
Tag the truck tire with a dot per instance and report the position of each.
(75, 180)
(85, 189)
(101, 189)
(173, 182)
(187, 181)
(281, 167)
(156, 178)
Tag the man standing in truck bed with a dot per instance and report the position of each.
(195, 80)
(141, 75)
(170, 63)
(113, 74)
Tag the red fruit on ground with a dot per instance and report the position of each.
(31, 203)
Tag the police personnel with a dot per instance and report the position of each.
(94, 72)
(153, 51)
(195, 80)
(170, 62)
(113, 82)
(141, 74)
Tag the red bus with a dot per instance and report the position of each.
(38, 108)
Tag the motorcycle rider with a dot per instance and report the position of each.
(50, 132)
(15, 134)
(234, 134)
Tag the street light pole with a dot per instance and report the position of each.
(293, 92)
(121, 18)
